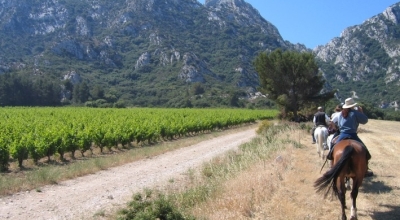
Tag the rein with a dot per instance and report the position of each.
(323, 165)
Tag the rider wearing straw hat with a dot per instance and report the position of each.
(349, 120)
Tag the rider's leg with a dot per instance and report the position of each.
(312, 135)
(329, 156)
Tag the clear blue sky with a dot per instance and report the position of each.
(316, 22)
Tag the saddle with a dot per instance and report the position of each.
(334, 141)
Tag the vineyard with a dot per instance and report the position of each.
(38, 133)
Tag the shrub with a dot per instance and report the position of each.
(264, 126)
(142, 208)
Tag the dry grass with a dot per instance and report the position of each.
(243, 196)
(280, 186)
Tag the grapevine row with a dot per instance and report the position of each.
(42, 132)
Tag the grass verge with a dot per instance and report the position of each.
(225, 183)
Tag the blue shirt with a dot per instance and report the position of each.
(350, 124)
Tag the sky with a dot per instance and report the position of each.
(316, 22)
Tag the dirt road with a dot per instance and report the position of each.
(83, 197)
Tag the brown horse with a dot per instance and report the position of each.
(349, 161)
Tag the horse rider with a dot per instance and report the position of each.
(320, 119)
(349, 119)
(335, 115)
(333, 128)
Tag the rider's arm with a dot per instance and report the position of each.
(361, 117)
(327, 119)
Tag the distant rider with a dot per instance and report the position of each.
(320, 118)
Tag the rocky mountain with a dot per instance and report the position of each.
(364, 61)
(177, 53)
(143, 52)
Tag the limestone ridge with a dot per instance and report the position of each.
(368, 54)
(211, 43)
(138, 46)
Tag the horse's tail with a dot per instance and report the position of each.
(328, 179)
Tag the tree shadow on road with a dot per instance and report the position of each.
(392, 214)
(375, 187)
(379, 187)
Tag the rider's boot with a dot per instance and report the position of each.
(368, 173)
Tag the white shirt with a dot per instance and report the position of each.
(335, 117)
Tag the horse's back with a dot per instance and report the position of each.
(359, 148)
(321, 130)
(357, 156)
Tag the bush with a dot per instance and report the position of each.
(264, 126)
(142, 208)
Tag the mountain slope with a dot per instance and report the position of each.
(365, 59)
(178, 53)
(142, 52)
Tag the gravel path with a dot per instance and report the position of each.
(83, 197)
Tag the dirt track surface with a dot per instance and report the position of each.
(83, 197)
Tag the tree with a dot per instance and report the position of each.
(97, 92)
(198, 89)
(291, 79)
(80, 93)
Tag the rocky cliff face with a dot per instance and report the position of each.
(369, 55)
(214, 42)
(131, 45)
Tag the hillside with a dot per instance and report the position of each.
(174, 53)
(363, 61)
(140, 52)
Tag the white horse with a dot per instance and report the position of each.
(321, 135)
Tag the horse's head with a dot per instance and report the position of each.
(332, 127)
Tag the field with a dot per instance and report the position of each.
(278, 187)
(282, 187)
(36, 133)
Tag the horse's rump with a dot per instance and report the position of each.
(349, 160)
(320, 136)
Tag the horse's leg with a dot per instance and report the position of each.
(354, 194)
(316, 136)
(320, 141)
(357, 181)
(322, 145)
(342, 195)
(326, 135)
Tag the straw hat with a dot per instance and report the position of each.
(349, 103)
